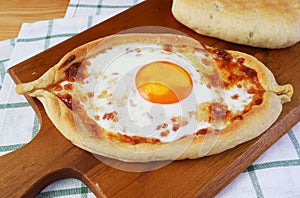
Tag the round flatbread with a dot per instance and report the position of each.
(266, 24)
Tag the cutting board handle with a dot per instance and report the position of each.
(47, 158)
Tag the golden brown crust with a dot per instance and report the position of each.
(70, 124)
(60, 115)
(56, 73)
(265, 76)
(268, 24)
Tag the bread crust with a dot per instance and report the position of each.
(83, 132)
(266, 24)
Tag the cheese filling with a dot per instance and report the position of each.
(113, 101)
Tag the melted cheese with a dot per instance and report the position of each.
(111, 81)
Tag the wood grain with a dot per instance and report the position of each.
(50, 157)
(15, 12)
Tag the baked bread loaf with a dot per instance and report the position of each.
(266, 24)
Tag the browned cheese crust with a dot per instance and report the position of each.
(90, 137)
(267, 24)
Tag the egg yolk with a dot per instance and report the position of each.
(163, 82)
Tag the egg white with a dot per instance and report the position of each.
(113, 84)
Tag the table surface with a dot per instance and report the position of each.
(15, 12)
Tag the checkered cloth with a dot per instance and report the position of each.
(275, 174)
